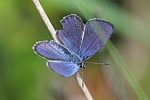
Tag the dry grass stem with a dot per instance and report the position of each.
(53, 33)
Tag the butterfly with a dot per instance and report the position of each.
(78, 42)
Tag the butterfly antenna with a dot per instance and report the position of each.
(98, 63)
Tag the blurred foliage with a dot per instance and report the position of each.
(24, 75)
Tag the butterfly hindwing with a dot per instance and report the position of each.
(65, 69)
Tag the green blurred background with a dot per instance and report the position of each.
(24, 75)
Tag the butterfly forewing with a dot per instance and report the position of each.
(71, 34)
(52, 51)
(96, 33)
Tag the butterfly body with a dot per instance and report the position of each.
(78, 42)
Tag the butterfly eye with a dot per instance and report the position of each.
(81, 65)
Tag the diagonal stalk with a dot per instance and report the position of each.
(53, 33)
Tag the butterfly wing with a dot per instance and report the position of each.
(65, 69)
(71, 34)
(60, 59)
(52, 51)
(96, 33)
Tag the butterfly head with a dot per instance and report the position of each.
(81, 65)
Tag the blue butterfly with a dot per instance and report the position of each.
(78, 42)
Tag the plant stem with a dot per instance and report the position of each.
(53, 33)
(83, 87)
(45, 19)
(126, 72)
